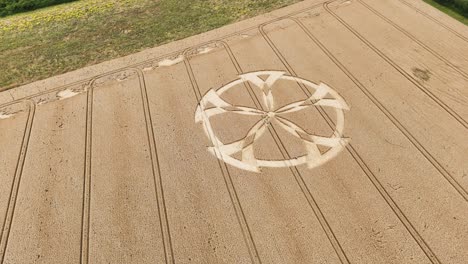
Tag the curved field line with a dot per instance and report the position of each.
(162, 212)
(17, 179)
(296, 173)
(358, 159)
(423, 88)
(237, 206)
(370, 175)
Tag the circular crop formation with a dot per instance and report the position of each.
(212, 104)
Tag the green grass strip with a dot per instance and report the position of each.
(62, 38)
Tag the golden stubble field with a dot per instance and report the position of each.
(319, 133)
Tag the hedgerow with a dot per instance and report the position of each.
(9, 7)
(461, 5)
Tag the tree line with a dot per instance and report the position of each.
(9, 7)
(460, 5)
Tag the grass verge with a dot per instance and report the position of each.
(449, 10)
(58, 39)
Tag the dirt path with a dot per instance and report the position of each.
(330, 133)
